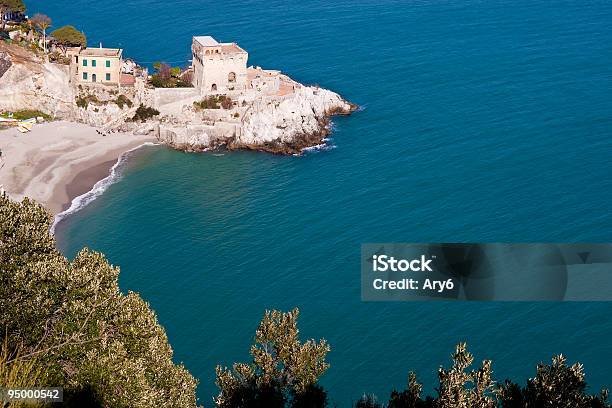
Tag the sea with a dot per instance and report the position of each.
(480, 121)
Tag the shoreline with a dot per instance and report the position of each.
(61, 161)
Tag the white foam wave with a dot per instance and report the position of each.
(320, 147)
(80, 202)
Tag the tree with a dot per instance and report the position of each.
(284, 370)
(43, 22)
(410, 397)
(10, 5)
(176, 71)
(164, 72)
(71, 317)
(461, 389)
(68, 36)
(555, 385)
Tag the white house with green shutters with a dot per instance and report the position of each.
(96, 65)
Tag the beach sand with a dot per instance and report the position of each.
(58, 161)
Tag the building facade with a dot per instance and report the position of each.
(218, 67)
(96, 65)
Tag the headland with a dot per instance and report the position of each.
(107, 104)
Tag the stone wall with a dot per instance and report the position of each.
(166, 96)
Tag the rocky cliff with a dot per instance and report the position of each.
(28, 83)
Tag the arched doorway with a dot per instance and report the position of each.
(213, 87)
(231, 78)
(93, 78)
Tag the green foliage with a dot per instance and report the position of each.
(168, 77)
(72, 318)
(158, 82)
(23, 114)
(175, 71)
(122, 101)
(143, 113)
(214, 102)
(58, 58)
(13, 5)
(410, 397)
(83, 101)
(18, 372)
(283, 370)
(555, 385)
(68, 36)
(462, 389)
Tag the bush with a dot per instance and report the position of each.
(169, 77)
(556, 385)
(123, 100)
(58, 58)
(215, 102)
(85, 334)
(28, 114)
(283, 368)
(83, 101)
(143, 113)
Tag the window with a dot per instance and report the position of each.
(84, 62)
(108, 76)
(93, 63)
(85, 76)
(107, 63)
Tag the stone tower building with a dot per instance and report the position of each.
(218, 67)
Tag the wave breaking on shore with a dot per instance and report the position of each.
(81, 201)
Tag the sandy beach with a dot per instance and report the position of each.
(58, 161)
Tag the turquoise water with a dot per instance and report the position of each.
(483, 121)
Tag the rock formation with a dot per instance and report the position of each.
(277, 123)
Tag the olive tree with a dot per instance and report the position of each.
(68, 36)
(72, 318)
(43, 22)
(283, 371)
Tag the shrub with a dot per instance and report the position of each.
(28, 114)
(169, 77)
(226, 102)
(143, 113)
(556, 385)
(58, 58)
(85, 334)
(83, 101)
(123, 100)
(215, 102)
(283, 368)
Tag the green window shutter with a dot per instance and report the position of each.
(85, 75)
(108, 77)
(84, 62)
(107, 63)
(93, 63)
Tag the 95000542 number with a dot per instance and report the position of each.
(32, 394)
